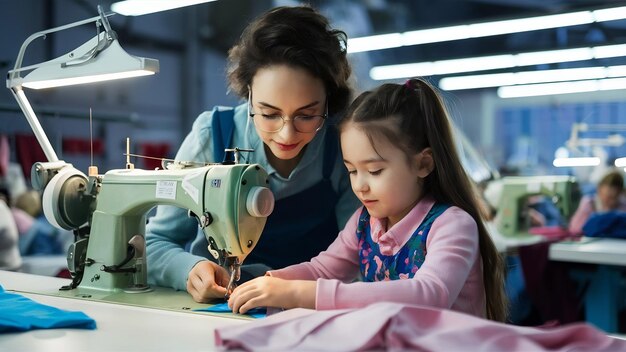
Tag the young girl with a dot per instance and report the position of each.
(419, 237)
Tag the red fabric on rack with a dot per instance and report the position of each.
(78, 146)
(154, 150)
(28, 152)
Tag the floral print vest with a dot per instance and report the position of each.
(376, 266)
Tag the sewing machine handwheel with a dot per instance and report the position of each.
(260, 202)
(64, 202)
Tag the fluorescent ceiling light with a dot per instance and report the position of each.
(483, 63)
(530, 90)
(485, 29)
(620, 162)
(569, 162)
(530, 77)
(143, 7)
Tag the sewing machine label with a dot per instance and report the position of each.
(189, 185)
(166, 189)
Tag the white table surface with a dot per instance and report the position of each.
(119, 327)
(47, 265)
(607, 251)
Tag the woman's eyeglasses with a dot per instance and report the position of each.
(275, 122)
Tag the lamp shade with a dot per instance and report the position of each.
(88, 64)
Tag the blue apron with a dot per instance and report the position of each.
(302, 225)
(376, 266)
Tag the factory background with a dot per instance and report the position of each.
(514, 135)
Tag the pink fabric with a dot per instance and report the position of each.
(392, 326)
(585, 208)
(4, 155)
(451, 276)
(23, 220)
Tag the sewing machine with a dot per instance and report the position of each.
(511, 221)
(108, 215)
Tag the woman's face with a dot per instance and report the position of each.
(288, 92)
(609, 196)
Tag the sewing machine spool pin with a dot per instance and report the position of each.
(236, 152)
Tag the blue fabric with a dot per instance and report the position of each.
(222, 122)
(409, 258)
(610, 224)
(223, 308)
(43, 239)
(520, 305)
(549, 211)
(18, 313)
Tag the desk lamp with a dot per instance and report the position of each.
(100, 59)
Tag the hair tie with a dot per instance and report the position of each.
(408, 83)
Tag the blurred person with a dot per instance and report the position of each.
(37, 235)
(609, 196)
(10, 258)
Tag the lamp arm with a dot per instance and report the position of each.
(19, 95)
(20, 56)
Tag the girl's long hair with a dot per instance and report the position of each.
(413, 117)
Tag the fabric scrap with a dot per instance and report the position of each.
(19, 313)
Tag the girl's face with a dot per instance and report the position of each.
(386, 182)
(285, 91)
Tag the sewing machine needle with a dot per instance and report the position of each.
(235, 273)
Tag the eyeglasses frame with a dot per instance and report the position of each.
(251, 114)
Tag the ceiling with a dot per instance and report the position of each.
(359, 18)
(221, 23)
(403, 15)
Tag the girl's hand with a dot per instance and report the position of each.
(270, 291)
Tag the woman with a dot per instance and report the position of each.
(609, 197)
(293, 69)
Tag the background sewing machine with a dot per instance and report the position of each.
(512, 219)
(108, 212)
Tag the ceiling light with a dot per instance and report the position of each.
(485, 29)
(571, 162)
(530, 90)
(483, 63)
(143, 7)
(620, 162)
(530, 77)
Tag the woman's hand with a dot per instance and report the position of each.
(206, 281)
(270, 291)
